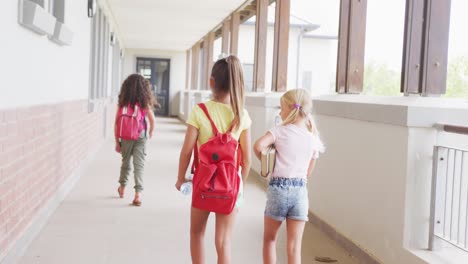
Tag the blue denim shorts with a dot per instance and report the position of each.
(287, 198)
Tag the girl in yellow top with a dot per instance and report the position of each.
(227, 106)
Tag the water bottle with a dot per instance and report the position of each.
(186, 188)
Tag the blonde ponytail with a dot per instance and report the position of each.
(301, 102)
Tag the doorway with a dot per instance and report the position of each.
(157, 72)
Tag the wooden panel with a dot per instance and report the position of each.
(280, 56)
(261, 27)
(356, 47)
(342, 62)
(235, 22)
(412, 47)
(187, 70)
(209, 40)
(195, 64)
(436, 40)
(225, 37)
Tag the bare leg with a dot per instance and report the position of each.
(295, 230)
(223, 234)
(198, 219)
(270, 234)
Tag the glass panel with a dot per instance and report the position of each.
(384, 47)
(246, 51)
(201, 65)
(160, 76)
(313, 45)
(248, 76)
(457, 70)
(217, 48)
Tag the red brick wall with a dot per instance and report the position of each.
(40, 147)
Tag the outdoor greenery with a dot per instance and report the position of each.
(457, 78)
(380, 79)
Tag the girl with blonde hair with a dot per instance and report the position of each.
(298, 145)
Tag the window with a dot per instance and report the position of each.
(201, 65)
(457, 70)
(313, 45)
(248, 76)
(384, 47)
(246, 51)
(100, 46)
(57, 8)
(39, 2)
(217, 48)
(307, 80)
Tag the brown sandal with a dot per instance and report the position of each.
(137, 200)
(325, 259)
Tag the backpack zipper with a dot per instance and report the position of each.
(214, 196)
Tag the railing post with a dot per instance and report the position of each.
(435, 165)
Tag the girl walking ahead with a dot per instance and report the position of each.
(297, 147)
(135, 106)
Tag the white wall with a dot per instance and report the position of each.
(177, 74)
(364, 196)
(35, 70)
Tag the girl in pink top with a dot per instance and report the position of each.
(297, 146)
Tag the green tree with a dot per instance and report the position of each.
(379, 79)
(457, 78)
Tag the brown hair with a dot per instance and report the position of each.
(300, 102)
(136, 89)
(229, 78)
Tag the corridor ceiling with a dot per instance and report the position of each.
(168, 24)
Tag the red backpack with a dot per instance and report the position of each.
(130, 122)
(216, 164)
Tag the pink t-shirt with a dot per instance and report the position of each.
(295, 147)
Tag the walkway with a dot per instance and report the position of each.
(93, 226)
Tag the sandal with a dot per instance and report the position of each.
(325, 259)
(137, 200)
(121, 191)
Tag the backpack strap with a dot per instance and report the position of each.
(205, 110)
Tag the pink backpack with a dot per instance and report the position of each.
(130, 122)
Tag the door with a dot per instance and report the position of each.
(157, 72)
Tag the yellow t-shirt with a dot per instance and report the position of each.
(222, 115)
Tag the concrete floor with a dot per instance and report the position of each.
(92, 225)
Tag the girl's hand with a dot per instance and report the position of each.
(117, 147)
(178, 184)
(150, 134)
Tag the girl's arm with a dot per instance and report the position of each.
(311, 167)
(151, 121)
(262, 143)
(186, 153)
(246, 144)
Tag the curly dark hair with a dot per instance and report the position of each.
(136, 89)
